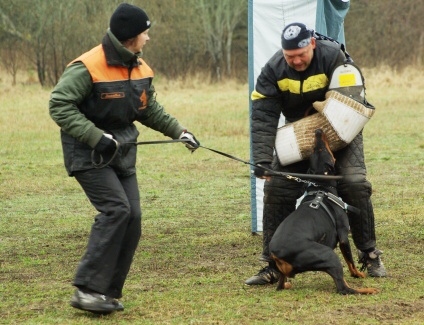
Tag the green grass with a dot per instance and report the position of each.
(197, 248)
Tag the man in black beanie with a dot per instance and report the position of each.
(128, 21)
(293, 79)
(95, 103)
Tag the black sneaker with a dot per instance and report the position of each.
(265, 258)
(95, 302)
(268, 275)
(372, 262)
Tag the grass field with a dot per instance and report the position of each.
(197, 248)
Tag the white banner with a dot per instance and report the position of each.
(267, 19)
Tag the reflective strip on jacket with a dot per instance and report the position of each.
(282, 90)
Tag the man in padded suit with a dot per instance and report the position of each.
(290, 82)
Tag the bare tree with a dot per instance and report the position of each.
(212, 13)
(7, 25)
(10, 56)
(233, 15)
(420, 50)
(53, 32)
(10, 41)
(175, 47)
(384, 32)
(190, 35)
(56, 31)
(220, 19)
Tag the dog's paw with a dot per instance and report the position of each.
(358, 274)
(367, 291)
(287, 285)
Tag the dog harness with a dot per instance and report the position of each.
(318, 201)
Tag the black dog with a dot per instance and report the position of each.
(306, 239)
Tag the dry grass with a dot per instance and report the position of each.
(197, 249)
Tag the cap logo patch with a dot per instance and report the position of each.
(292, 32)
(304, 42)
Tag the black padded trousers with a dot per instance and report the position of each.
(115, 233)
(281, 194)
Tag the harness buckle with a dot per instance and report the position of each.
(314, 205)
(317, 201)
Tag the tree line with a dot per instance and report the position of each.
(190, 36)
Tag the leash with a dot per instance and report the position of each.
(157, 142)
(292, 176)
(100, 163)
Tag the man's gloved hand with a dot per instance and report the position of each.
(107, 145)
(192, 144)
(260, 172)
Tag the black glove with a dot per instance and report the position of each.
(107, 145)
(260, 172)
(192, 144)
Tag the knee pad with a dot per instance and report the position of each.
(355, 186)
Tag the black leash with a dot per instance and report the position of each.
(270, 172)
(157, 142)
(100, 163)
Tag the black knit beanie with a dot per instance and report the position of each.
(295, 36)
(128, 21)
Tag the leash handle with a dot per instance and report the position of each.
(100, 164)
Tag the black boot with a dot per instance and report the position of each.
(268, 275)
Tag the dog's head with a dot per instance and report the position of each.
(322, 160)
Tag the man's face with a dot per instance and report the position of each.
(137, 43)
(300, 59)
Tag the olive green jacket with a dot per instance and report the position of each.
(77, 104)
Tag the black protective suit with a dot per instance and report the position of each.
(283, 90)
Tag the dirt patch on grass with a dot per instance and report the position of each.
(392, 312)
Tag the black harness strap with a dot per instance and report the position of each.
(337, 201)
(315, 203)
(318, 201)
(319, 36)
